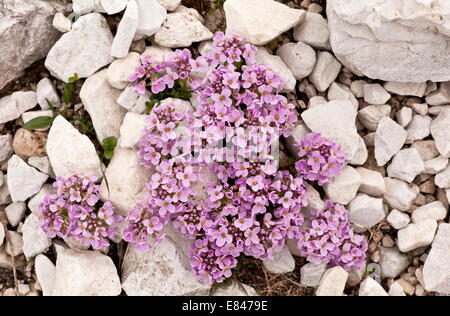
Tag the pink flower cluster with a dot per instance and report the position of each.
(251, 208)
(321, 159)
(75, 211)
(330, 239)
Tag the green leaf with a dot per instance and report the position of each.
(68, 94)
(73, 78)
(38, 123)
(109, 144)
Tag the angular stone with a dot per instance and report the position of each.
(326, 70)
(282, 262)
(6, 148)
(151, 16)
(260, 21)
(170, 4)
(338, 91)
(372, 182)
(33, 204)
(181, 29)
(404, 116)
(371, 115)
(442, 179)
(406, 88)
(83, 50)
(15, 212)
(416, 235)
(313, 31)
(391, 40)
(398, 220)
(406, 165)
(396, 290)
(299, 57)
(375, 94)
(435, 210)
(61, 23)
(121, 69)
(70, 152)
(440, 128)
(35, 240)
(440, 96)
(234, 289)
(45, 273)
(426, 148)
(399, 195)
(332, 282)
(366, 211)
(436, 165)
(126, 31)
(311, 274)
(85, 273)
(389, 139)
(344, 187)
(370, 287)
(113, 6)
(392, 262)
(81, 7)
(23, 180)
(418, 129)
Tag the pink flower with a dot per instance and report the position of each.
(222, 99)
(252, 236)
(256, 183)
(167, 131)
(165, 206)
(187, 176)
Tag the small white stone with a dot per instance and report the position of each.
(85, 273)
(426, 148)
(46, 91)
(8, 109)
(420, 108)
(418, 129)
(326, 70)
(371, 115)
(440, 128)
(2, 234)
(99, 100)
(416, 235)
(398, 220)
(375, 94)
(121, 69)
(278, 66)
(332, 282)
(344, 187)
(181, 29)
(389, 139)
(42, 164)
(404, 116)
(28, 116)
(126, 31)
(35, 240)
(23, 180)
(128, 98)
(15, 212)
(34, 202)
(357, 88)
(435, 210)
(372, 182)
(406, 165)
(441, 96)
(406, 89)
(338, 91)
(442, 179)
(15, 247)
(6, 149)
(70, 152)
(62, 23)
(282, 262)
(131, 130)
(81, 7)
(396, 290)
(260, 21)
(311, 274)
(45, 273)
(399, 194)
(370, 287)
(170, 5)
(113, 6)
(151, 16)
(365, 211)
(313, 31)
(392, 262)
(299, 57)
(436, 165)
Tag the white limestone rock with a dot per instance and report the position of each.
(23, 181)
(365, 211)
(311, 274)
(151, 16)
(313, 31)
(35, 240)
(12, 106)
(344, 187)
(399, 194)
(260, 21)
(85, 273)
(442, 179)
(418, 129)
(398, 220)
(391, 40)
(282, 262)
(372, 182)
(335, 119)
(81, 7)
(2, 234)
(121, 69)
(338, 91)
(70, 152)
(426, 148)
(62, 23)
(46, 91)
(434, 210)
(440, 128)
(45, 273)
(406, 165)
(332, 282)
(375, 94)
(126, 31)
(278, 66)
(99, 100)
(396, 290)
(371, 115)
(83, 50)
(389, 139)
(404, 116)
(131, 130)
(416, 235)
(299, 57)
(182, 28)
(170, 5)
(33, 204)
(325, 71)
(370, 287)
(406, 88)
(392, 262)
(113, 6)
(440, 96)
(436, 165)
(15, 212)
(42, 164)
(436, 272)
(6, 149)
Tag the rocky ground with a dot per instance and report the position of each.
(374, 77)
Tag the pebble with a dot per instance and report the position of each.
(126, 31)
(326, 70)
(399, 195)
(311, 274)
(366, 211)
(439, 130)
(313, 31)
(333, 282)
(371, 115)
(344, 187)
(339, 91)
(45, 273)
(62, 23)
(389, 139)
(170, 5)
(81, 7)
(6, 148)
(406, 88)
(396, 290)
(375, 94)
(151, 16)
(15, 247)
(35, 240)
(416, 235)
(300, 58)
(418, 129)
(442, 179)
(406, 165)
(370, 287)
(436, 165)
(372, 182)
(404, 116)
(435, 210)
(121, 69)
(392, 262)
(234, 289)
(440, 96)
(282, 262)
(15, 213)
(113, 6)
